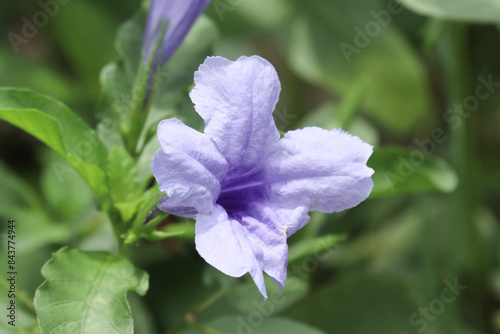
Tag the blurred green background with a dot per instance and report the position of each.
(412, 81)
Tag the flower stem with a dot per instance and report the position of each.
(190, 317)
(466, 248)
(469, 251)
(215, 297)
(141, 97)
(456, 66)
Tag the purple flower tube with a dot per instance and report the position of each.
(180, 15)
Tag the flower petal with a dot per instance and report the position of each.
(268, 234)
(183, 211)
(236, 100)
(188, 167)
(236, 246)
(180, 14)
(281, 215)
(322, 170)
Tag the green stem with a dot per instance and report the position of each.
(215, 297)
(457, 75)
(152, 200)
(190, 317)
(429, 261)
(138, 105)
(466, 248)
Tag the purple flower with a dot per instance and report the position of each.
(180, 16)
(248, 189)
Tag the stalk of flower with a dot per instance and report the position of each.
(167, 25)
(248, 189)
(180, 15)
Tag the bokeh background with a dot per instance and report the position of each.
(421, 83)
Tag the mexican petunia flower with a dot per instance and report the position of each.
(180, 15)
(248, 189)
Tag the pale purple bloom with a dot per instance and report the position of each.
(248, 189)
(180, 16)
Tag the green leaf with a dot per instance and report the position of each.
(476, 11)
(54, 124)
(403, 171)
(85, 292)
(113, 103)
(306, 248)
(396, 93)
(123, 187)
(67, 195)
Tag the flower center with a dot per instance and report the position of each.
(240, 190)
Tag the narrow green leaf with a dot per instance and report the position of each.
(306, 248)
(85, 292)
(54, 124)
(402, 170)
(160, 235)
(186, 230)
